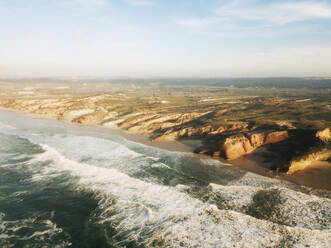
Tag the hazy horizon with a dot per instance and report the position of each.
(101, 77)
(165, 39)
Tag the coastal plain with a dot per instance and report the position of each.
(255, 123)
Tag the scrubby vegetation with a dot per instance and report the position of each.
(213, 110)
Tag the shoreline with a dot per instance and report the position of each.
(136, 137)
(315, 176)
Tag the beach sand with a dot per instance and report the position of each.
(318, 175)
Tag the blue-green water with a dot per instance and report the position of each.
(71, 186)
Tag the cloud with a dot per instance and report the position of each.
(240, 13)
(197, 22)
(88, 4)
(276, 13)
(141, 2)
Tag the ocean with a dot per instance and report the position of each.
(64, 185)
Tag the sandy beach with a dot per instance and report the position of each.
(316, 176)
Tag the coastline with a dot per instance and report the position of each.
(139, 138)
(316, 176)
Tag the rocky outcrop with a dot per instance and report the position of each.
(220, 135)
(189, 132)
(257, 139)
(324, 135)
(176, 131)
(306, 161)
(237, 146)
(275, 137)
(163, 122)
(285, 124)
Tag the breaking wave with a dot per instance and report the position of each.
(78, 188)
(156, 215)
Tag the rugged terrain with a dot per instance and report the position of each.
(292, 125)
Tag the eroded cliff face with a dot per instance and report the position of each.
(228, 139)
(322, 154)
(165, 124)
(159, 125)
(189, 130)
(303, 163)
(237, 146)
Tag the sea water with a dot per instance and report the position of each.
(71, 186)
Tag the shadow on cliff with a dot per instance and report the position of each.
(300, 143)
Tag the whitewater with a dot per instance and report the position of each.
(63, 185)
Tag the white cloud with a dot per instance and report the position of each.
(88, 4)
(197, 22)
(267, 14)
(141, 2)
(276, 13)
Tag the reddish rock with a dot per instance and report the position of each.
(257, 139)
(235, 147)
(276, 137)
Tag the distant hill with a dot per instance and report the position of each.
(280, 83)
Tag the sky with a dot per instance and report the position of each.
(165, 38)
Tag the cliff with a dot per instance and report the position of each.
(320, 153)
(227, 129)
(236, 146)
(307, 160)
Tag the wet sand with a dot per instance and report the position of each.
(317, 175)
(174, 146)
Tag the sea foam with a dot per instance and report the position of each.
(4, 126)
(156, 214)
